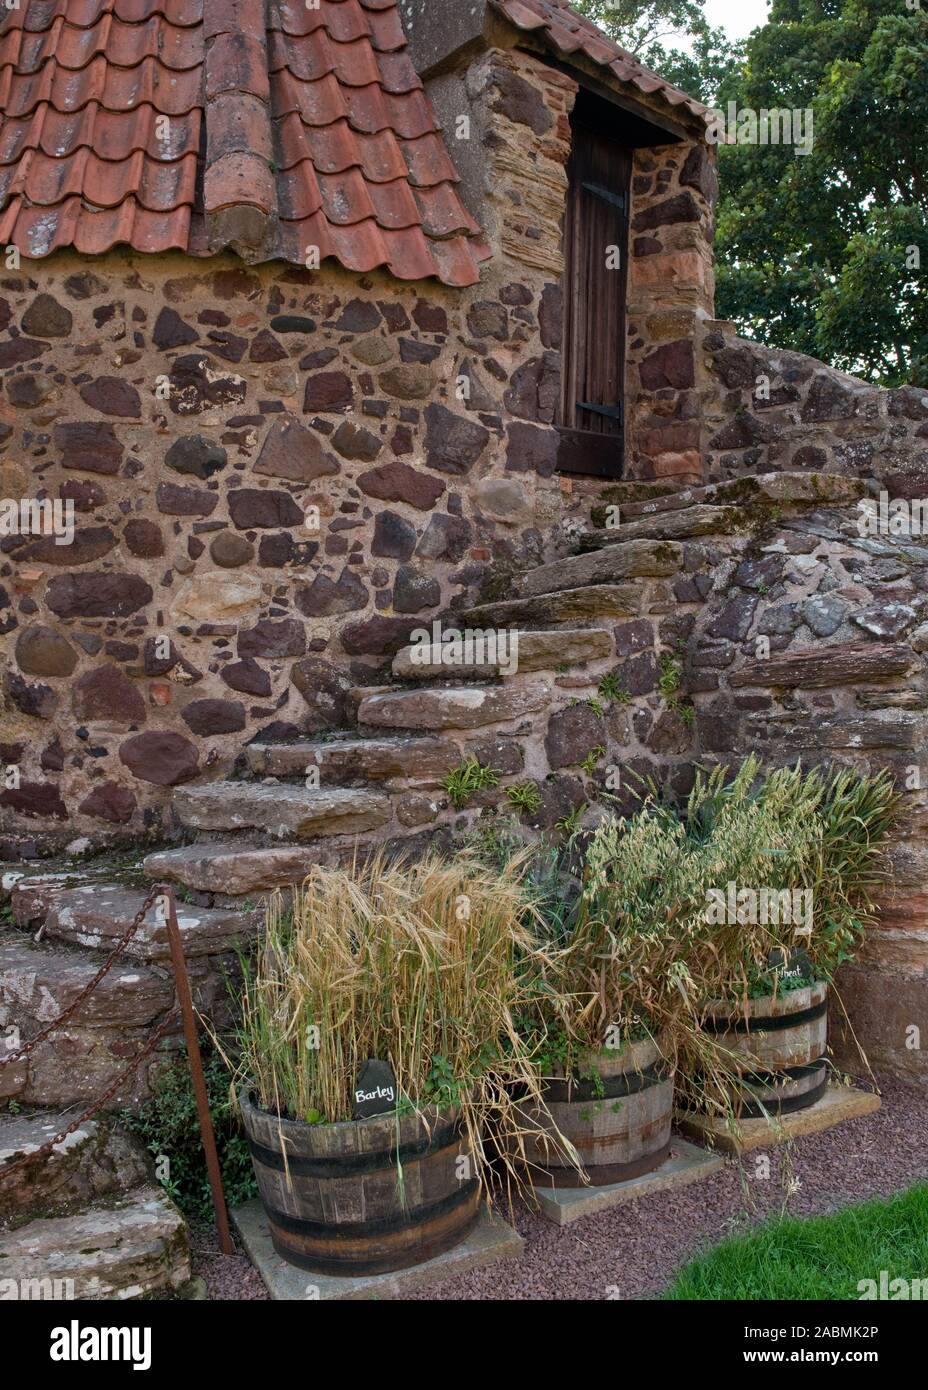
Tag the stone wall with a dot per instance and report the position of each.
(764, 409)
(671, 291)
(194, 414)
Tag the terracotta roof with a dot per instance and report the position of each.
(567, 33)
(288, 127)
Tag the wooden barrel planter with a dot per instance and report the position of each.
(362, 1196)
(619, 1125)
(783, 1039)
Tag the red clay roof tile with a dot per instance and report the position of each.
(315, 116)
(566, 32)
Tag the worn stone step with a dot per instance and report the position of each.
(794, 488)
(559, 606)
(281, 810)
(95, 1161)
(638, 559)
(518, 652)
(79, 1060)
(454, 707)
(354, 761)
(97, 915)
(821, 734)
(811, 668)
(700, 519)
(232, 868)
(124, 1248)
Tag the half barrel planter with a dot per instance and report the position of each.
(619, 1126)
(783, 1039)
(362, 1197)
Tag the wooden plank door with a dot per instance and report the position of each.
(596, 251)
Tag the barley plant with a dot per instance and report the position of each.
(425, 965)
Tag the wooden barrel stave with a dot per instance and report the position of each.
(617, 1136)
(365, 1221)
(784, 1065)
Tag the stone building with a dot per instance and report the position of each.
(329, 322)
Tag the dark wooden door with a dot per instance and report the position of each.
(596, 251)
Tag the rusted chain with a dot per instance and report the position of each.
(98, 1104)
(107, 965)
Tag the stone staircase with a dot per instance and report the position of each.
(616, 608)
(86, 1222)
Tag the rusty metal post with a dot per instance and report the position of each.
(185, 1002)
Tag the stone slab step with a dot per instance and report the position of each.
(784, 488)
(95, 1161)
(281, 810)
(522, 651)
(349, 762)
(454, 707)
(566, 605)
(490, 1239)
(97, 915)
(638, 559)
(38, 982)
(120, 1249)
(80, 1059)
(699, 519)
(839, 1103)
(232, 868)
(811, 668)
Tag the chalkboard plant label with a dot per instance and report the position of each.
(374, 1090)
(792, 965)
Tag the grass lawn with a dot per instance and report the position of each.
(819, 1256)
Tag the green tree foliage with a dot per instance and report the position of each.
(826, 253)
(673, 37)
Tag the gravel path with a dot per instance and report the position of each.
(633, 1251)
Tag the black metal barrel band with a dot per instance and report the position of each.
(380, 1226)
(602, 1174)
(627, 1083)
(776, 1024)
(350, 1165)
(787, 1105)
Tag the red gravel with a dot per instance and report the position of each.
(633, 1251)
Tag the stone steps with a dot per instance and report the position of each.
(636, 559)
(523, 651)
(685, 523)
(126, 1248)
(355, 761)
(281, 810)
(95, 1161)
(80, 1060)
(97, 915)
(233, 868)
(581, 604)
(793, 488)
(454, 707)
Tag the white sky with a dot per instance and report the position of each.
(736, 17)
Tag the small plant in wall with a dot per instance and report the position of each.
(524, 797)
(611, 688)
(568, 824)
(669, 683)
(592, 758)
(471, 776)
